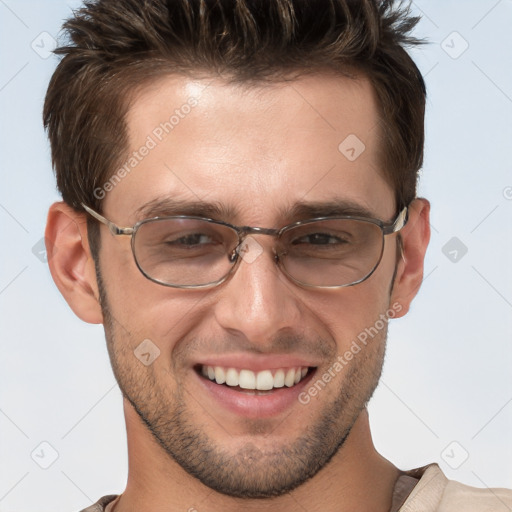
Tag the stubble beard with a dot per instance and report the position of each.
(251, 472)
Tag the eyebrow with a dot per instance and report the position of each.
(301, 210)
(332, 208)
(165, 207)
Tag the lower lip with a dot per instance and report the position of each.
(255, 406)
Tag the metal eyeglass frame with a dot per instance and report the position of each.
(242, 232)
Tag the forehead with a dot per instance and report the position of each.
(256, 150)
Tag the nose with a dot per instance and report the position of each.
(258, 302)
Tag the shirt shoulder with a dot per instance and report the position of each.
(101, 504)
(458, 496)
(435, 493)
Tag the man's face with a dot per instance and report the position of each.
(255, 152)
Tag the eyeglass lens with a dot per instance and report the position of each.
(194, 252)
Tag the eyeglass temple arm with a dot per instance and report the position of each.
(113, 228)
(399, 223)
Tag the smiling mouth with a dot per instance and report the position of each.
(262, 382)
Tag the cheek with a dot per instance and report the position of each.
(140, 305)
(143, 310)
(146, 317)
(349, 312)
(118, 269)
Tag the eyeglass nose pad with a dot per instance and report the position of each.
(233, 255)
(279, 253)
(237, 249)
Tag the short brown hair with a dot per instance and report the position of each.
(115, 47)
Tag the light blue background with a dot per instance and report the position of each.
(448, 369)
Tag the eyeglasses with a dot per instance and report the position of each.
(195, 252)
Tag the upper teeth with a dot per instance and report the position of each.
(247, 379)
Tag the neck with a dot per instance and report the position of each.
(356, 478)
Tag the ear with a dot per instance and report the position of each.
(415, 237)
(71, 263)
